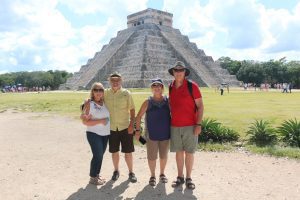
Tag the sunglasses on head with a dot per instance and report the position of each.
(98, 90)
(179, 70)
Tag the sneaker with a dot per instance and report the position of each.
(132, 177)
(115, 175)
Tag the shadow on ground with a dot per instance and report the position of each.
(107, 192)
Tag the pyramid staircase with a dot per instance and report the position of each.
(144, 52)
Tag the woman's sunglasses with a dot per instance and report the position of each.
(98, 90)
(156, 85)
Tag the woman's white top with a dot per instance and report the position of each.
(99, 112)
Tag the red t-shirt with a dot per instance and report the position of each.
(182, 104)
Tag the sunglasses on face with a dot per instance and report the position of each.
(179, 70)
(115, 80)
(156, 85)
(98, 90)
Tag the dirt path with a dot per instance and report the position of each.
(47, 157)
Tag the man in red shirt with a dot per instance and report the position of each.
(186, 111)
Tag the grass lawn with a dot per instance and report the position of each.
(236, 110)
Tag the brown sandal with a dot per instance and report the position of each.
(163, 178)
(189, 184)
(179, 181)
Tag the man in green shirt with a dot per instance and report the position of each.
(122, 113)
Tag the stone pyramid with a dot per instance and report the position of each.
(146, 50)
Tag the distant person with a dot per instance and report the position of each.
(95, 116)
(186, 116)
(157, 129)
(285, 88)
(222, 89)
(290, 86)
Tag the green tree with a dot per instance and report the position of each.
(293, 71)
(232, 66)
(275, 71)
(251, 72)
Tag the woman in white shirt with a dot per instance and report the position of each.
(96, 117)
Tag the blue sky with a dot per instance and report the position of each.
(64, 34)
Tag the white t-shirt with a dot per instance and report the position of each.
(99, 112)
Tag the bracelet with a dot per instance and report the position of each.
(137, 130)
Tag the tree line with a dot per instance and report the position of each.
(247, 71)
(49, 79)
(271, 72)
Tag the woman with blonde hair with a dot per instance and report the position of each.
(95, 116)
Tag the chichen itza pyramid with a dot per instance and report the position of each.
(146, 50)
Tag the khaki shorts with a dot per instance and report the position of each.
(153, 147)
(183, 139)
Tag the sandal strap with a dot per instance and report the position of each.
(152, 181)
(179, 181)
(163, 178)
(189, 183)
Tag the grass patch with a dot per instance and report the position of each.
(235, 110)
(276, 151)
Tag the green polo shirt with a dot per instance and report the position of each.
(119, 105)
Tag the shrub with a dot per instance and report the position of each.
(290, 132)
(261, 133)
(228, 134)
(213, 131)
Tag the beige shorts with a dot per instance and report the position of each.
(153, 147)
(183, 139)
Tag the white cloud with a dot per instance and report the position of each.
(241, 29)
(36, 35)
(107, 7)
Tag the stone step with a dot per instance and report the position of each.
(146, 75)
(155, 45)
(148, 32)
(159, 53)
(129, 61)
(137, 45)
(137, 39)
(156, 39)
(129, 53)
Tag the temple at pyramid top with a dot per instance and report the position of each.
(145, 50)
(150, 16)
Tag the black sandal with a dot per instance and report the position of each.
(152, 181)
(189, 184)
(163, 178)
(179, 181)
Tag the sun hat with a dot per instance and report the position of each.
(115, 75)
(181, 64)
